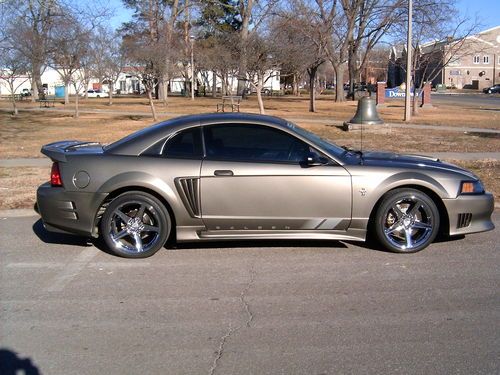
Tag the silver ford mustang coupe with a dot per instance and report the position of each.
(246, 176)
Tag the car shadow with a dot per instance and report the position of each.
(59, 238)
(256, 244)
(75, 240)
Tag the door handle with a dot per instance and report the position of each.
(223, 172)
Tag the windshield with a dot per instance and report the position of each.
(323, 143)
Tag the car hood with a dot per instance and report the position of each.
(390, 159)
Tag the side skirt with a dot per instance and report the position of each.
(199, 233)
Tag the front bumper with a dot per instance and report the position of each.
(470, 213)
(68, 211)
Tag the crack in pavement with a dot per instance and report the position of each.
(231, 330)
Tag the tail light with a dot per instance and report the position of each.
(55, 175)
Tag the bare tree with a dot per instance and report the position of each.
(252, 14)
(374, 19)
(261, 65)
(108, 58)
(314, 36)
(13, 71)
(289, 49)
(29, 28)
(440, 37)
(149, 43)
(70, 48)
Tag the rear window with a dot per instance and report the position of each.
(184, 145)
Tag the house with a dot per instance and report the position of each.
(472, 62)
(477, 65)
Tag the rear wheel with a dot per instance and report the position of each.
(135, 225)
(406, 221)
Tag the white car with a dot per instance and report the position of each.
(96, 94)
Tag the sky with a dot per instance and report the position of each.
(488, 11)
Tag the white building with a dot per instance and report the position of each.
(129, 83)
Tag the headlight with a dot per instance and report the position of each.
(471, 187)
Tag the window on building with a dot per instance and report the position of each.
(486, 59)
(476, 59)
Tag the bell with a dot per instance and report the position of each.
(366, 114)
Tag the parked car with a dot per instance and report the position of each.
(25, 92)
(250, 177)
(96, 94)
(495, 89)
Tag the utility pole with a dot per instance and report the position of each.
(408, 65)
(192, 66)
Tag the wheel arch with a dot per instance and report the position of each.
(444, 220)
(132, 188)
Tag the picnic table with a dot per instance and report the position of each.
(229, 101)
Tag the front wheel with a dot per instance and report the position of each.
(135, 225)
(406, 221)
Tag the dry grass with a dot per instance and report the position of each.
(488, 171)
(18, 185)
(24, 135)
(441, 114)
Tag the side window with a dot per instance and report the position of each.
(184, 145)
(253, 143)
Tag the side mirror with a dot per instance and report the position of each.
(314, 160)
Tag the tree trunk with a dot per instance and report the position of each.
(151, 103)
(352, 78)
(295, 89)
(37, 80)
(312, 88)
(77, 109)
(259, 88)
(414, 102)
(14, 106)
(246, 13)
(214, 84)
(339, 83)
(111, 88)
(66, 93)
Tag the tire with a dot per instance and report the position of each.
(129, 234)
(98, 96)
(406, 221)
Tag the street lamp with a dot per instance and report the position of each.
(191, 37)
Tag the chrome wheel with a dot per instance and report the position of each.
(135, 225)
(407, 221)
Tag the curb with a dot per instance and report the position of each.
(18, 212)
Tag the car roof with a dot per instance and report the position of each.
(136, 143)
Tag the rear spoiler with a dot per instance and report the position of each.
(57, 150)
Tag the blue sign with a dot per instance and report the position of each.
(398, 93)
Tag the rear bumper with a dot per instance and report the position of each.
(470, 213)
(66, 211)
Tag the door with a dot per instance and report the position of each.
(253, 177)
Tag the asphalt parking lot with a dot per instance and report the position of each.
(255, 308)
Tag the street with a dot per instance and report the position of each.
(286, 307)
(486, 101)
